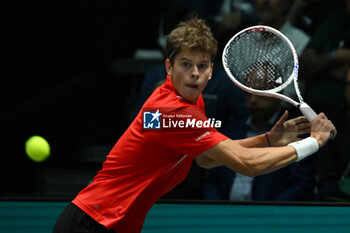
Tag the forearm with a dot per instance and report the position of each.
(257, 141)
(250, 161)
(258, 161)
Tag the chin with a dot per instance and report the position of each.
(191, 96)
(191, 99)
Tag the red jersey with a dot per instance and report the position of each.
(147, 163)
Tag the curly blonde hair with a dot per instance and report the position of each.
(192, 34)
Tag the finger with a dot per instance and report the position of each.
(296, 121)
(304, 131)
(322, 115)
(306, 125)
(300, 119)
(283, 118)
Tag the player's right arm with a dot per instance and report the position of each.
(257, 161)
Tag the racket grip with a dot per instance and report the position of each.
(307, 111)
(310, 114)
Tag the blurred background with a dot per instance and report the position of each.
(71, 77)
(74, 71)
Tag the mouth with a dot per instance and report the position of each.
(193, 86)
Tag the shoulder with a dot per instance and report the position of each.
(289, 29)
(298, 38)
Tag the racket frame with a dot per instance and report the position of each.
(307, 111)
(272, 92)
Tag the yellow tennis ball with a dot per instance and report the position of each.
(37, 148)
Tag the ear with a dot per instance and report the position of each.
(168, 66)
(211, 72)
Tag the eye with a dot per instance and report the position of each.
(203, 66)
(186, 65)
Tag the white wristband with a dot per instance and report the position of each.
(305, 147)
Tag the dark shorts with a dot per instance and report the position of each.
(74, 220)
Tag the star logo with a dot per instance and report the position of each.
(151, 120)
(156, 115)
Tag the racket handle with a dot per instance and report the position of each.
(310, 114)
(307, 111)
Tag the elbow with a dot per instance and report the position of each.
(202, 164)
(250, 169)
(205, 162)
(205, 166)
(253, 173)
(252, 165)
(250, 172)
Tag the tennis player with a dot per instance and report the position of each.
(147, 163)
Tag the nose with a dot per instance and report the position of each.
(195, 72)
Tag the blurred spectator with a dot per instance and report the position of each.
(225, 17)
(292, 183)
(274, 13)
(234, 15)
(326, 58)
(309, 14)
(333, 162)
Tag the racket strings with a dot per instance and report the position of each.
(259, 60)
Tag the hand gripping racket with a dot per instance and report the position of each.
(262, 61)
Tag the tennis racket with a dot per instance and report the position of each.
(262, 61)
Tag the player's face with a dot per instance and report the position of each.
(190, 73)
